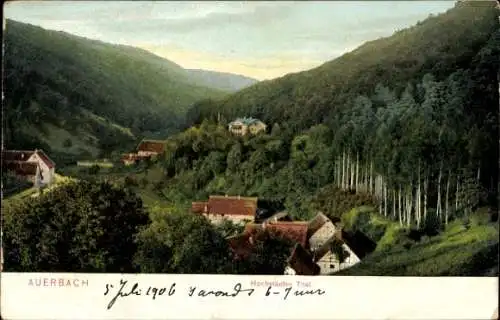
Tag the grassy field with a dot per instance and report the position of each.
(99, 163)
(34, 192)
(462, 249)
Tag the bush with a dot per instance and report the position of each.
(131, 181)
(67, 143)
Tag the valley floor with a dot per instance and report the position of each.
(461, 249)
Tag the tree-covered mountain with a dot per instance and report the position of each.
(221, 80)
(439, 45)
(418, 140)
(73, 95)
(406, 126)
(411, 119)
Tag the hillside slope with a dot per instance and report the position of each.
(220, 80)
(439, 45)
(463, 248)
(79, 96)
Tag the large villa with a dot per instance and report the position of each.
(244, 126)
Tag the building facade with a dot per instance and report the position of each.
(239, 210)
(244, 126)
(151, 148)
(329, 262)
(35, 165)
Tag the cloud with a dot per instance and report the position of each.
(198, 18)
(260, 39)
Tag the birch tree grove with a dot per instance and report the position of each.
(414, 152)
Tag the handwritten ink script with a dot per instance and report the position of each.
(125, 289)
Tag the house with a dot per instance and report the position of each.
(320, 230)
(241, 245)
(243, 126)
(322, 235)
(234, 208)
(328, 260)
(294, 231)
(300, 262)
(33, 165)
(151, 147)
(132, 158)
(29, 171)
(321, 246)
(145, 150)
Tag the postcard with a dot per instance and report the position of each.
(250, 160)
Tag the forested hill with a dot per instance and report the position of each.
(438, 45)
(221, 80)
(81, 96)
(410, 120)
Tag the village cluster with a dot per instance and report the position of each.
(148, 149)
(312, 253)
(313, 239)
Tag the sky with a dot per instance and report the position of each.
(259, 39)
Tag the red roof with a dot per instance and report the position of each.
(293, 231)
(241, 245)
(51, 164)
(300, 260)
(24, 155)
(232, 205)
(16, 155)
(157, 146)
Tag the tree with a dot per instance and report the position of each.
(179, 242)
(269, 254)
(228, 228)
(234, 157)
(78, 227)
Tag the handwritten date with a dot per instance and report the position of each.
(125, 289)
(136, 291)
(272, 291)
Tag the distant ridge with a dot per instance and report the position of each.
(79, 97)
(221, 80)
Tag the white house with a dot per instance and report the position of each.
(320, 230)
(35, 165)
(329, 262)
(46, 165)
(243, 126)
